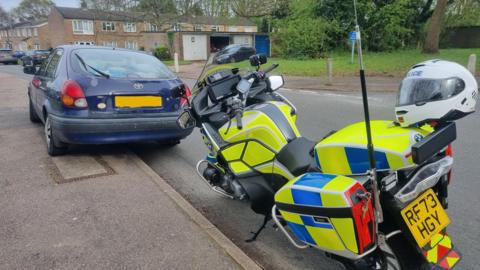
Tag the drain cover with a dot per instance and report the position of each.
(79, 167)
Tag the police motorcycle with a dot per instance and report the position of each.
(323, 194)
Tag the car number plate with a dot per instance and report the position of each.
(137, 101)
(425, 217)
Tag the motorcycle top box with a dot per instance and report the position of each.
(345, 151)
(331, 212)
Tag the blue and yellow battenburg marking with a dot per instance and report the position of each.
(440, 252)
(320, 190)
(345, 152)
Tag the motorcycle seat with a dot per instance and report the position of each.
(297, 155)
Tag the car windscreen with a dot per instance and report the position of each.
(120, 64)
(42, 52)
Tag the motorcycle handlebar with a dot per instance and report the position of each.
(238, 117)
(270, 68)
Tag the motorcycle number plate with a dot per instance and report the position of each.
(425, 217)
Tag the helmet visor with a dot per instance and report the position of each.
(420, 91)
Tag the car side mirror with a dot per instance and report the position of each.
(30, 70)
(258, 59)
(186, 120)
(275, 82)
(179, 91)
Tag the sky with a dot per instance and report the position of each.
(9, 4)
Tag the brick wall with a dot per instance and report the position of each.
(56, 28)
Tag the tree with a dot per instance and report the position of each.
(33, 9)
(159, 12)
(4, 17)
(254, 8)
(215, 8)
(112, 5)
(435, 27)
(463, 13)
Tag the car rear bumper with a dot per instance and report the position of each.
(116, 130)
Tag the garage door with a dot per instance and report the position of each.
(243, 39)
(194, 47)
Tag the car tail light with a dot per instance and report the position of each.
(188, 93)
(449, 152)
(36, 82)
(72, 95)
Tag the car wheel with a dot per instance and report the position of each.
(170, 142)
(33, 115)
(54, 146)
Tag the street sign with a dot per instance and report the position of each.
(352, 36)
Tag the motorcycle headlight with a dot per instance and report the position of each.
(424, 179)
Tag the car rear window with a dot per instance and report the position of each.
(5, 52)
(42, 52)
(120, 64)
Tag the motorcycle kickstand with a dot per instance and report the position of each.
(257, 233)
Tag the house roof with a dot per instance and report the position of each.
(94, 14)
(24, 24)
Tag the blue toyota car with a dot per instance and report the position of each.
(101, 95)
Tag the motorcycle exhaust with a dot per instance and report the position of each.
(217, 189)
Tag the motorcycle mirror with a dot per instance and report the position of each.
(275, 82)
(258, 59)
(30, 70)
(178, 91)
(185, 120)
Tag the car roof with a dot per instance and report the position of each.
(74, 47)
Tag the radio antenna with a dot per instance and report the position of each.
(371, 151)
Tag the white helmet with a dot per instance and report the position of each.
(435, 90)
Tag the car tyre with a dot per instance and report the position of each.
(54, 146)
(171, 142)
(33, 115)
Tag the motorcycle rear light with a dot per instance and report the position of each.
(36, 82)
(449, 152)
(72, 95)
(188, 93)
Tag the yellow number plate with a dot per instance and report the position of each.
(137, 101)
(425, 217)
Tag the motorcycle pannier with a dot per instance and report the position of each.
(330, 212)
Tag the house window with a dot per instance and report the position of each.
(18, 33)
(29, 32)
(151, 27)
(197, 28)
(82, 27)
(232, 28)
(215, 28)
(35, 32)
(84, 43)
(132, 45)
(24, 32)
(112, 44)
(36, 46)
(176, 27)
(108, 26)
(130, 27)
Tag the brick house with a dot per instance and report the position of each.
(25, 36)
(192, 37)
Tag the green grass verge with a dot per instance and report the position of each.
(180, 62)
(381, 64)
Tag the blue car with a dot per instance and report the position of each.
(101, 95)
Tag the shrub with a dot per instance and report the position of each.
(162, 53)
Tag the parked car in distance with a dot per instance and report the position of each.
(233, 53)
(18, 54)
(6, 57)
(35, 57)
(101, 95)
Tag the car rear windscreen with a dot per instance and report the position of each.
(120, 64)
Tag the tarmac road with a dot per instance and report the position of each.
(319, 113)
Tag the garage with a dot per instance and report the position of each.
(194, 47)
(243, 39)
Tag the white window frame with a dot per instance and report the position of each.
(198, 28)
(232, 29)
(215, 28)
(112, 44)
(24, 32)
(36, 46)
(29, 32)
(129, 27)
(84, 43)
(18, 32)
(35, 32)
(82, 27)
(108, 26)
(176, 27)
(132, 45)
(151, 27)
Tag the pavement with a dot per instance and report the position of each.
(97, 208)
